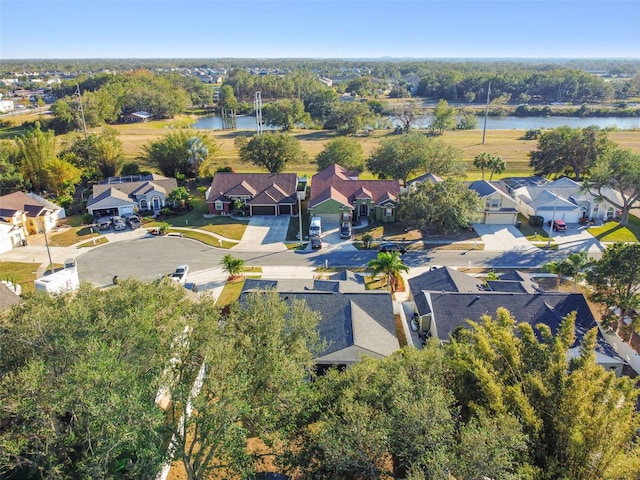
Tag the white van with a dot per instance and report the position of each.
(315, 227)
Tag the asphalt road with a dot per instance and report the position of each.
(150, 257)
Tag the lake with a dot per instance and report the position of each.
(248, 122)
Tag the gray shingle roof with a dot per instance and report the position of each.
(445, 279)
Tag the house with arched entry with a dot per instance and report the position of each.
(124, 196)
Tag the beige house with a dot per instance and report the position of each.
(29, 212)
(499, 208)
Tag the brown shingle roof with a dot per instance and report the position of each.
(335, 180)
(20, 201)
(262, 188)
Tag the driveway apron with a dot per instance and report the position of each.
(502, 238)
(265, 233)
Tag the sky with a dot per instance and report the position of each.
(329, 29)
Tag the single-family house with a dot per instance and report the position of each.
(354, 322)
(28, 212)
(127, 195)
(444, 302)
(259, 193)
(11, 236)
(337, 194)
(499, 208)
(563, 199)
(137, 117)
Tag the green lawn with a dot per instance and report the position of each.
(72, 235)
(230, 293)
(204, 238)
(21, 273)
(613, 232)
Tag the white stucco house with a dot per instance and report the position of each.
(499, 208)
(563, 196)
(125, 196)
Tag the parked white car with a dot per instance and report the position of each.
(180, 275)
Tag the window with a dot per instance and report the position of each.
(217, 205)
(492, 203)
(388, 212)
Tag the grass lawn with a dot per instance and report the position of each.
(204, 238)
(72, 235)
(613, 232)
(96, 241)
(21, 273)
(533, 234)
(230, 293)
(221, 225)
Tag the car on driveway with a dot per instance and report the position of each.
(104, 223)
(118, 223)
(559, 226)
(180, 275)
(133, 221)
(316, 243)
(391, 247)
(345, 230)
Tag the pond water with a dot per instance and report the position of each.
(248, 122)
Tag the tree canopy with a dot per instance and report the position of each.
(444, 117)
(406, 155)
(285, 114)
(273, 151)
(178, 152)
(343, 151)
(446, 205)
(568, 151)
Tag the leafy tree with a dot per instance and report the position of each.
(390, 265)
(62, 176)
(226, 99)
(108, 154)
(447, 205)
(617, 173)
(130, 168)
(232, 265)
(36, 149)
(272, 151)
(320, 103)
(173, 153)
(362, 86)
(501, 367)
(407, 114)
(10, 177)
(285, 114)
(615, 280)
(349, 118)
(78, 375)
(179, 195)
(468, 121)
(256, 368)
(403, 156)
(444, 117)
(568, 151)
(342, 151)
(571, 266)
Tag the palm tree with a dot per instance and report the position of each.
(481, 161)
(390, 264)
(497, 165)
(232, 265)
(561, 269)
(575, 264)
(198, 152)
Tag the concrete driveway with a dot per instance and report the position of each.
(502, 238)
(577, 239)
(265, 233)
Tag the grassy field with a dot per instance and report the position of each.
(506, 143)
(21, 273)
(614, 232)
(72, 235)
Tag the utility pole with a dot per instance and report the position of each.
(46, 241)
(553, 218)
(300, 219)
(258, 108)
(486, 114)
(84, 124)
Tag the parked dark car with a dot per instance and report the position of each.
(133, 221)
(391, 247)
(345, 230)
(316, 243)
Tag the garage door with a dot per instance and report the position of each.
(329, 218)
(569, 217)
(6, 244)
(500, 218)
(263, 210)
(285, 209)
(126, 210)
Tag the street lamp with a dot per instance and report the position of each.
(553, 218)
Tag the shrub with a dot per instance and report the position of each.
(87, 219)
(536, 220)
(163, 228)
